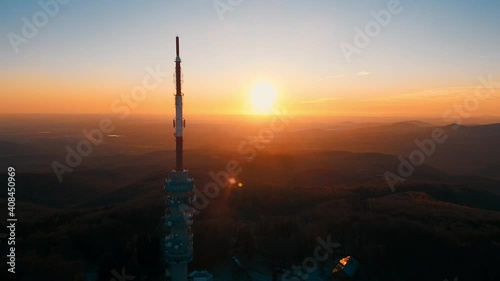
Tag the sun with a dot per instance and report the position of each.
(263, 96)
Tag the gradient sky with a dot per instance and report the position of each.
(428, 58)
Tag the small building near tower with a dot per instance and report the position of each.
(201, 276)
(346, 269)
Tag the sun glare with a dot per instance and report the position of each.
(263, 95)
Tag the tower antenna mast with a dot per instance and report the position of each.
(178, 239)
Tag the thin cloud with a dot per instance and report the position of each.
(431, 95)
(363, 73)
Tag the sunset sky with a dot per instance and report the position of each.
(89, 53)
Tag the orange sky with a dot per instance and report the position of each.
(44, 94)
(93, 53)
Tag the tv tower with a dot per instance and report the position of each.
(178, 240)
